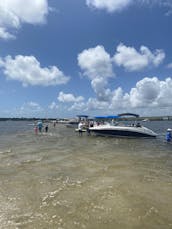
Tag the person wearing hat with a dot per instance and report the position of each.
(168, 135)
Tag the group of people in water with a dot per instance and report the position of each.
(83, 126)
(38, 127)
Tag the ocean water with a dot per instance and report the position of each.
(60, 180)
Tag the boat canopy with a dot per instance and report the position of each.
(107, 117)
(128, 114)
(82, 116)
(100, 117)
(113, 116)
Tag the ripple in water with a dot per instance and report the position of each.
(64, 181)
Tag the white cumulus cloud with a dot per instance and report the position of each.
(15, 12)
(169, 65)
(95, 62)
(97, 66)
(53, 106)
(32, 105)
(27, 70)
(150, 96)
(81, 106)
(109, 5)
(28, 109)
(5, 35)
(145, 93)
(148, 93)
(68, 98)
(99, 86)
(119, 5)
(132, 60)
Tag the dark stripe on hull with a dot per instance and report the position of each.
(118, 133)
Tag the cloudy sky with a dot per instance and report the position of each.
(61, 58)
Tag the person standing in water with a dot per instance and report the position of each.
(40, 125)
(36, 129)
(46, 128)
(80, 126)
(168, 135)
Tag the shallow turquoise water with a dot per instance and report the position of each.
(60, 180)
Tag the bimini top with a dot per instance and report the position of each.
(128, 114)
(107, 117)
(82, 116)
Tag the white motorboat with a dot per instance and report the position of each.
(74, 122)
(119, 130)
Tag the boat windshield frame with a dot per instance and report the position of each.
(128, 114)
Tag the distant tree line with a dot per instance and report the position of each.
(152, 118)
(26, 119)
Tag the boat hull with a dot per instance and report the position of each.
(123, 132)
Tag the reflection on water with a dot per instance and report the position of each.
(64, 181)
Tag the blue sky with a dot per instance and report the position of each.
(61, 58)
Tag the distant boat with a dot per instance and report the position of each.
(74, 122)
(165, 118)
(31, 124)
(145, 120)
(62, 121)
(119, 130)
